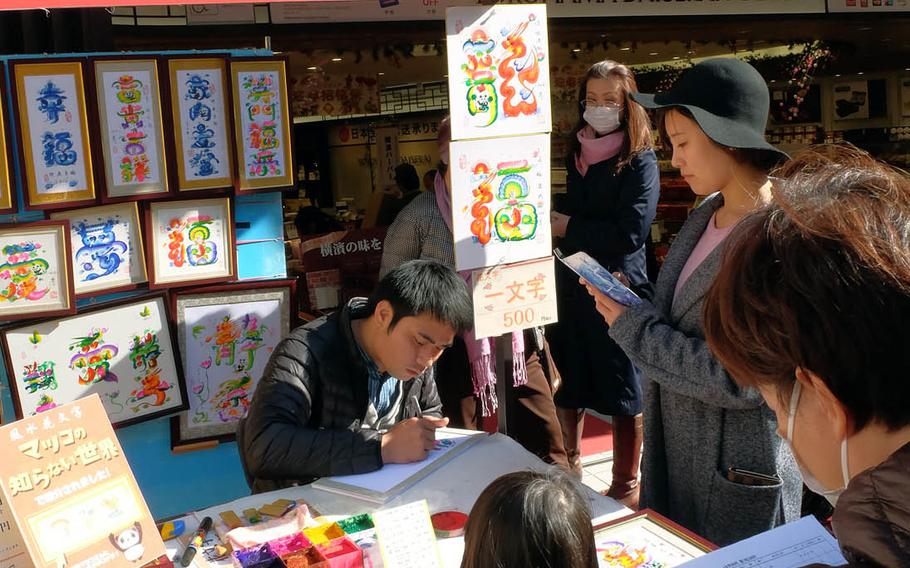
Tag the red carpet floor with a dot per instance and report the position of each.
(596, 438)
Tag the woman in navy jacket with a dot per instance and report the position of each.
(613, 186)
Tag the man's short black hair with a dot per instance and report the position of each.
(426, 286)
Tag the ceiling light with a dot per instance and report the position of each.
(624, 48)
(864, 29)
(837, 75)
(336, 59)
(381, 73)
(860, 73)
(675, 57)
(311, 68)
(576, 50)
(773, 81)
(653, 53)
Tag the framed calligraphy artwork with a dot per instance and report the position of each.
(133, 153)
(226, 335)
(35, 270)
(646, 538)
(191, 241)
(107, 248)
(122, 350)
(500, 200)
(499, 70)
(54, 150)
(7, 181)
(200, 107)
(262, 123)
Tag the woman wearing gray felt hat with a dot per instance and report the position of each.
(711, 458)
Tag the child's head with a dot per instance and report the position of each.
(528, 519)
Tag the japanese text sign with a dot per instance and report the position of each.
(514, 297)
(71, 491)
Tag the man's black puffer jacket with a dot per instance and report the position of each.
(305, 418)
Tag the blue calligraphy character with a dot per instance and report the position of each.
(101, 253)
(50, 101)
(200, 110)
(204, 163)
(202, 137)
(58, 149)
(198, 88)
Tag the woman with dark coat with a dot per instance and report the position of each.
(613, 185)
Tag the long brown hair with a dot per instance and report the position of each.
(528, 518)
(820, 281)
(635, 118)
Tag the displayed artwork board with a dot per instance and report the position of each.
(499, 70)
(123, 351)
(500, 200)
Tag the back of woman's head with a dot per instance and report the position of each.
(530, 520)
(820, 281)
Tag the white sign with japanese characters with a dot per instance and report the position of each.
(514, 297)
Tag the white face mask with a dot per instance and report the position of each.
(811, 482)
(603, 119)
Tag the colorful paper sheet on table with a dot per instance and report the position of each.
(388, 482)
(122, 351)
(514, 297)
(500, 200)
(406, 537)
(499, 79)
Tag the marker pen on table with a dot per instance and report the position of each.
(198, 538)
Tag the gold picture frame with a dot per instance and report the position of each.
(644, 537)
(203, 122)
(54, 149)
(262, 119)
(7, 183)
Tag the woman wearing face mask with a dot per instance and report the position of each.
(613, 185)
(711, 459)
(810, 307)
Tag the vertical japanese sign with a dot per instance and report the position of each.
(512, 297)
(387, 149)
(71, 492)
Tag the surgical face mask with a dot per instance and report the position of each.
(811, 482)
(603, 119)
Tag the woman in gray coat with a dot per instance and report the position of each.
(711, 458)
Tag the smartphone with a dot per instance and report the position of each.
(746, 477)
(599, 277)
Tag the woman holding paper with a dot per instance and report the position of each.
(711, 459)
(613, 185)
(465, 373)
(810, 307)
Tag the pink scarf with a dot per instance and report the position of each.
(594, 149)
(480, 351)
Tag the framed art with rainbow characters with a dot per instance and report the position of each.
(646, 539)
(107, 248)
(500, 200)
(498, 63)
(123, 351)
(133, 152)
(35, 270)
(190, 241)
(226, 335)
